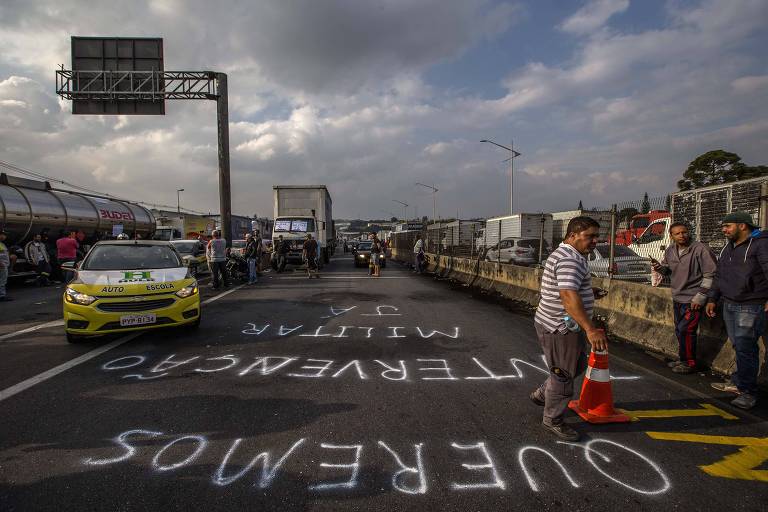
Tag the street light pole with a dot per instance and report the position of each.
(511, 171)
(434, 201)
(405, 209)
(178, 199)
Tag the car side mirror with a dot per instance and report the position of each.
(68, 266)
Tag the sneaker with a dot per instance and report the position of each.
(744, 401)
(728, 387)
(684, 369)
(562, 431)
(674, 363)
(535, 399)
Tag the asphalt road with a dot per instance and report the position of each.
(347, 393)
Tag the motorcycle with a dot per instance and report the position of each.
(237, 267)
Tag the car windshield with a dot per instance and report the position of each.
(297, 225)
(185, 247)
(364, 246)
(131, 257)
(529, 242)
(620, 250)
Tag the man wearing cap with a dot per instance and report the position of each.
(741, 280)
(5, 266)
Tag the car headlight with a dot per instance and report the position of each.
(187, 291)
(361, 256)
(75, 297)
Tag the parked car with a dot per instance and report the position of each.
(362, 255)
(192, 253)
(627, 265)
(517, 251)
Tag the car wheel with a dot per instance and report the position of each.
(195, 325)
(74, 338)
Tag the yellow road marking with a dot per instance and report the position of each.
(708, 410)
(740, 465)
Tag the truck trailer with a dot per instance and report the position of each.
(303, 209)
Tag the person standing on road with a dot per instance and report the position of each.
(309, 255)
(283, 248)
(66, 252)
(216, 254)
(692, 266)
(251, 253)
(37, 255)
(5, 267)
(375, 255)
(566, 291)
(741, 280)
(417, 248)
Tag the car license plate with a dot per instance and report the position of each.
(130, 320)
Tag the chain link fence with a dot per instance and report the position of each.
(631, 233)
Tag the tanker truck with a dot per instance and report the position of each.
(29, 207)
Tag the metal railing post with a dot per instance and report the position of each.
(612, 253)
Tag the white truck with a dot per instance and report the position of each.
(560, 222)
(300, 210)
(519, 225)
(181, 226)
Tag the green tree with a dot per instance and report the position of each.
(581, 207)
(716, 167)
(626, 214)
(668, 203)
(645, 207)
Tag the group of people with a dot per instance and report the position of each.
(44, 256)
(310, 254)
(737, 279)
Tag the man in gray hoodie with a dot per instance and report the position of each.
(742, 282)
(691, 266)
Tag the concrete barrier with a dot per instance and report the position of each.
(637, 313)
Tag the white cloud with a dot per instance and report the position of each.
(750, 84)
(593, 15)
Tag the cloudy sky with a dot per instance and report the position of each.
(605, 99)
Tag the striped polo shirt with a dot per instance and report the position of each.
(565, 269)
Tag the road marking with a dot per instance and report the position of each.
(42, 377)
(708, 410)
(53, 323)
(37, 379)
(223, 294)
(740, 465)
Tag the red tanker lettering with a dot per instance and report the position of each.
(116, 215)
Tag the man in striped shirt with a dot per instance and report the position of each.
(566, 290)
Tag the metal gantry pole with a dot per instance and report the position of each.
(222, 123)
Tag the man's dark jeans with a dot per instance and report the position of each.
(218, 271)
(745, 324)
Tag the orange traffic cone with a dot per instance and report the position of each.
(596, 401)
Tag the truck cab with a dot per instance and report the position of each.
(294, 229)
(654, 240)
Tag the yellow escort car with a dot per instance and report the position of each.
(129, 285)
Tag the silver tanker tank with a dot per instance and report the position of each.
(28, 206)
